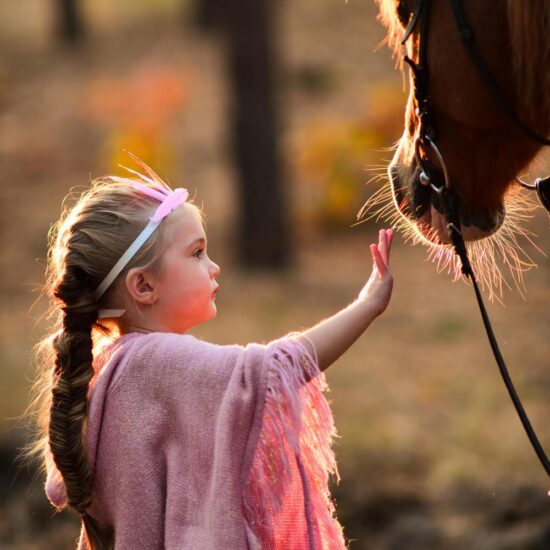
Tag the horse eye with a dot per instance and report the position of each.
(403, 12)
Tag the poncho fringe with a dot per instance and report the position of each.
(297, 426)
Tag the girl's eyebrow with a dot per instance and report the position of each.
(201, 240)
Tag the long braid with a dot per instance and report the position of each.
(84, 244)
(73, 371)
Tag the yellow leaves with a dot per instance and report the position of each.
(330, 158)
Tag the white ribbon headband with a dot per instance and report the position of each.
(169, 200)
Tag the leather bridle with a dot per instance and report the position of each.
(438, 178)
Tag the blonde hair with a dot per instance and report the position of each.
(84, 245)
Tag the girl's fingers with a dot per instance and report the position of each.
(385, 237)
(378, 260)
(382, 244)
(381, 252)
(389, 237)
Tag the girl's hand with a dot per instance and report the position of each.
(333, 336)
(378, 289)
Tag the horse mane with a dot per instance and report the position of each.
(388, 17)
(529, 26)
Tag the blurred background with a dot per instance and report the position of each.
(275, 115)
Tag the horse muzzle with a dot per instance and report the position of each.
(420, 204)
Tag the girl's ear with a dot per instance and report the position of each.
(141, 286)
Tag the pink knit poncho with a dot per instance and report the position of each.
(198, 446)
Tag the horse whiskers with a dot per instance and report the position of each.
(501, 249)
(382, 168)
(377, 178)
(493, 259)
(386, 212)
(389, 148)
(382, 202)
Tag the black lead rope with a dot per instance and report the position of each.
(460, 249)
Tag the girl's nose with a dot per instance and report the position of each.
(215, 269)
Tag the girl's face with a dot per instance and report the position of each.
(185, 280)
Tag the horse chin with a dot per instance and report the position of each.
(416, 204)
(433, 227)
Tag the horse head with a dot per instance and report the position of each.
(477, 114)
(483, 149)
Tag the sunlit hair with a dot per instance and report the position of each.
(387, 15)
(95, 229)
(494, 259)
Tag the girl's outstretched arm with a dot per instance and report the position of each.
(333, 336)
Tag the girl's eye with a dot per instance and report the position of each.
(198, 253)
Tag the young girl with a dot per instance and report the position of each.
(158, 439)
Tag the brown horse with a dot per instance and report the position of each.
(483, 149)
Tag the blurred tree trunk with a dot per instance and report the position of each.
(208, 14)
(264, 232)
(70, 27)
